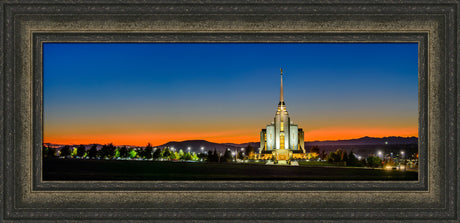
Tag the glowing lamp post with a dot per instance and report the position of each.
(404, 160)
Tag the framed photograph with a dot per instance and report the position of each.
(191, 111)
(289, 111)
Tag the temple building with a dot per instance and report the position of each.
(282, 139)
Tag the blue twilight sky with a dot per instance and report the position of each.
(136, 93)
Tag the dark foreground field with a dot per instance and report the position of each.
(73, 169)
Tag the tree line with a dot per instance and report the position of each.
(350, 159)
(109, 151)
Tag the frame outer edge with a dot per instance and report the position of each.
(452, 95)
(18, 87)
(8, 108)
(2, 112)
(456, 74)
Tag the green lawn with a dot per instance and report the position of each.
(74, 169)
(315, 163)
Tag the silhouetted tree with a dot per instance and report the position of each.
(203, 156)
(187, 156)
(213, 156)
(323, 155)
(105, 152)
(227, 156)
(111, 151)
(166, 152)
(374, 161)
(345, 156)
(338, 156)
(157, 153)
(241, 155)
(92, 153)
(123, 152)
(210, 156)
(148, 151)
(48, 152)
(81, 151)
(249, 151)
(65, 151)
(314, 149)
(352, 160)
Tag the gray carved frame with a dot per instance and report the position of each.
(26, 25)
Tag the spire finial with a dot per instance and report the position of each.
(281, 90)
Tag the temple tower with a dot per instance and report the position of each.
(282, 134)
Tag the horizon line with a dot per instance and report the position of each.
(222, 142)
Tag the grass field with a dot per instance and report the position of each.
(75, 169)
(315, 163)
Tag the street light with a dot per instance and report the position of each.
(188, 148)
(402, 157)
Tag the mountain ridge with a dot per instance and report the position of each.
(197, 144)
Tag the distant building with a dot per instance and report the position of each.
(282, 138)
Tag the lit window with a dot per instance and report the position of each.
(282, 141)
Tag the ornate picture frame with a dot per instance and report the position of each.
(27, 24)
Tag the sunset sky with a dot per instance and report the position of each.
(135, 93)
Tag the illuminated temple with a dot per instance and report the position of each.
(282, 140)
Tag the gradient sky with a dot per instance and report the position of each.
(135, 93)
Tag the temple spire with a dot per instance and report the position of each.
(281, 89)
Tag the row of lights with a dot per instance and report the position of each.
(380, 153)
(202, 149)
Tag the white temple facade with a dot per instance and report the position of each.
(282, 135)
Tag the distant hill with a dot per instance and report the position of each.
(392, 140)
(87, 146)
(362, 145)
(195, 146)
(242, 145)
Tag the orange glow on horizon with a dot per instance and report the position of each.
(157, 139)
(354, 133)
